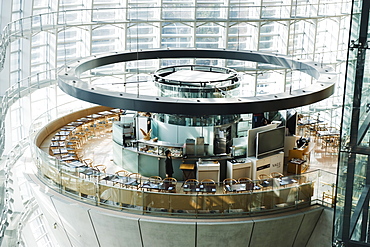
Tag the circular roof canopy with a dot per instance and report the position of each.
(70, 81)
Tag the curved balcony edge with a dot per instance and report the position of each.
(94, 190)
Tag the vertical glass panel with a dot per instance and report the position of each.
(328, 7)
(365, 93)
(209, 35)
(241, 9)
(241, 36)
(305, 8)
(117, 14)
(141, 36)
(276, 8)
(105, 38)
(176, 35)
(273, 36)
(211, 11)
(41, 3)
(327, 39)
(183, 10)
(301, 39)
(139, 10)
(72, 44)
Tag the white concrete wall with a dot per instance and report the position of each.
(80, 224)
(322, 234)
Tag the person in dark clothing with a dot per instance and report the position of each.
(168, 161)
(148, 121)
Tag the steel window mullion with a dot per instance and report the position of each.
(359, 208)
(353, 243)
(347, 211)
(365, 213)
(363, 129)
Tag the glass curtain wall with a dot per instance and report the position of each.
(54, 33)
(351, 226)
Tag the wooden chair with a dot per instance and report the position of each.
(122, 173)
(263, 176)
(227, 183)
(101, 168)
(100, 128)
(95, 171)
(321, 127)
(79, 152)
(191, 181)
(74, 138)
(88, 162)
(264, 180)
(136, 176)
(89, 132)
(250, 185)
(276, 175)
(135, 180)
(155, 179)
(207, 180)
(74, 153)
(71, 145)
(152, 183)
(331, 141)
(79, 133)
(170, 184)
(190, 185)
(110, 120)
(244, 180)
(209, 186)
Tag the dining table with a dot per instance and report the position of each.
(58, 138)
(57, 144)
(154, 186)
(56, 151)
(68, 158)
(76, 164)
(286, 180)
(122, 180)
(201, 188)
(63, 133)
(90, 171)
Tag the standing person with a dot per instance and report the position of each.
(168, 161)
(148, 121)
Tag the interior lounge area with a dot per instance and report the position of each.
(208, 124)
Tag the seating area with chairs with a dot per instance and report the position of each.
(76, 134)
(113, 182)
(69, 140)
(328, 137)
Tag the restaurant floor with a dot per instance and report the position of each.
(100, 150)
